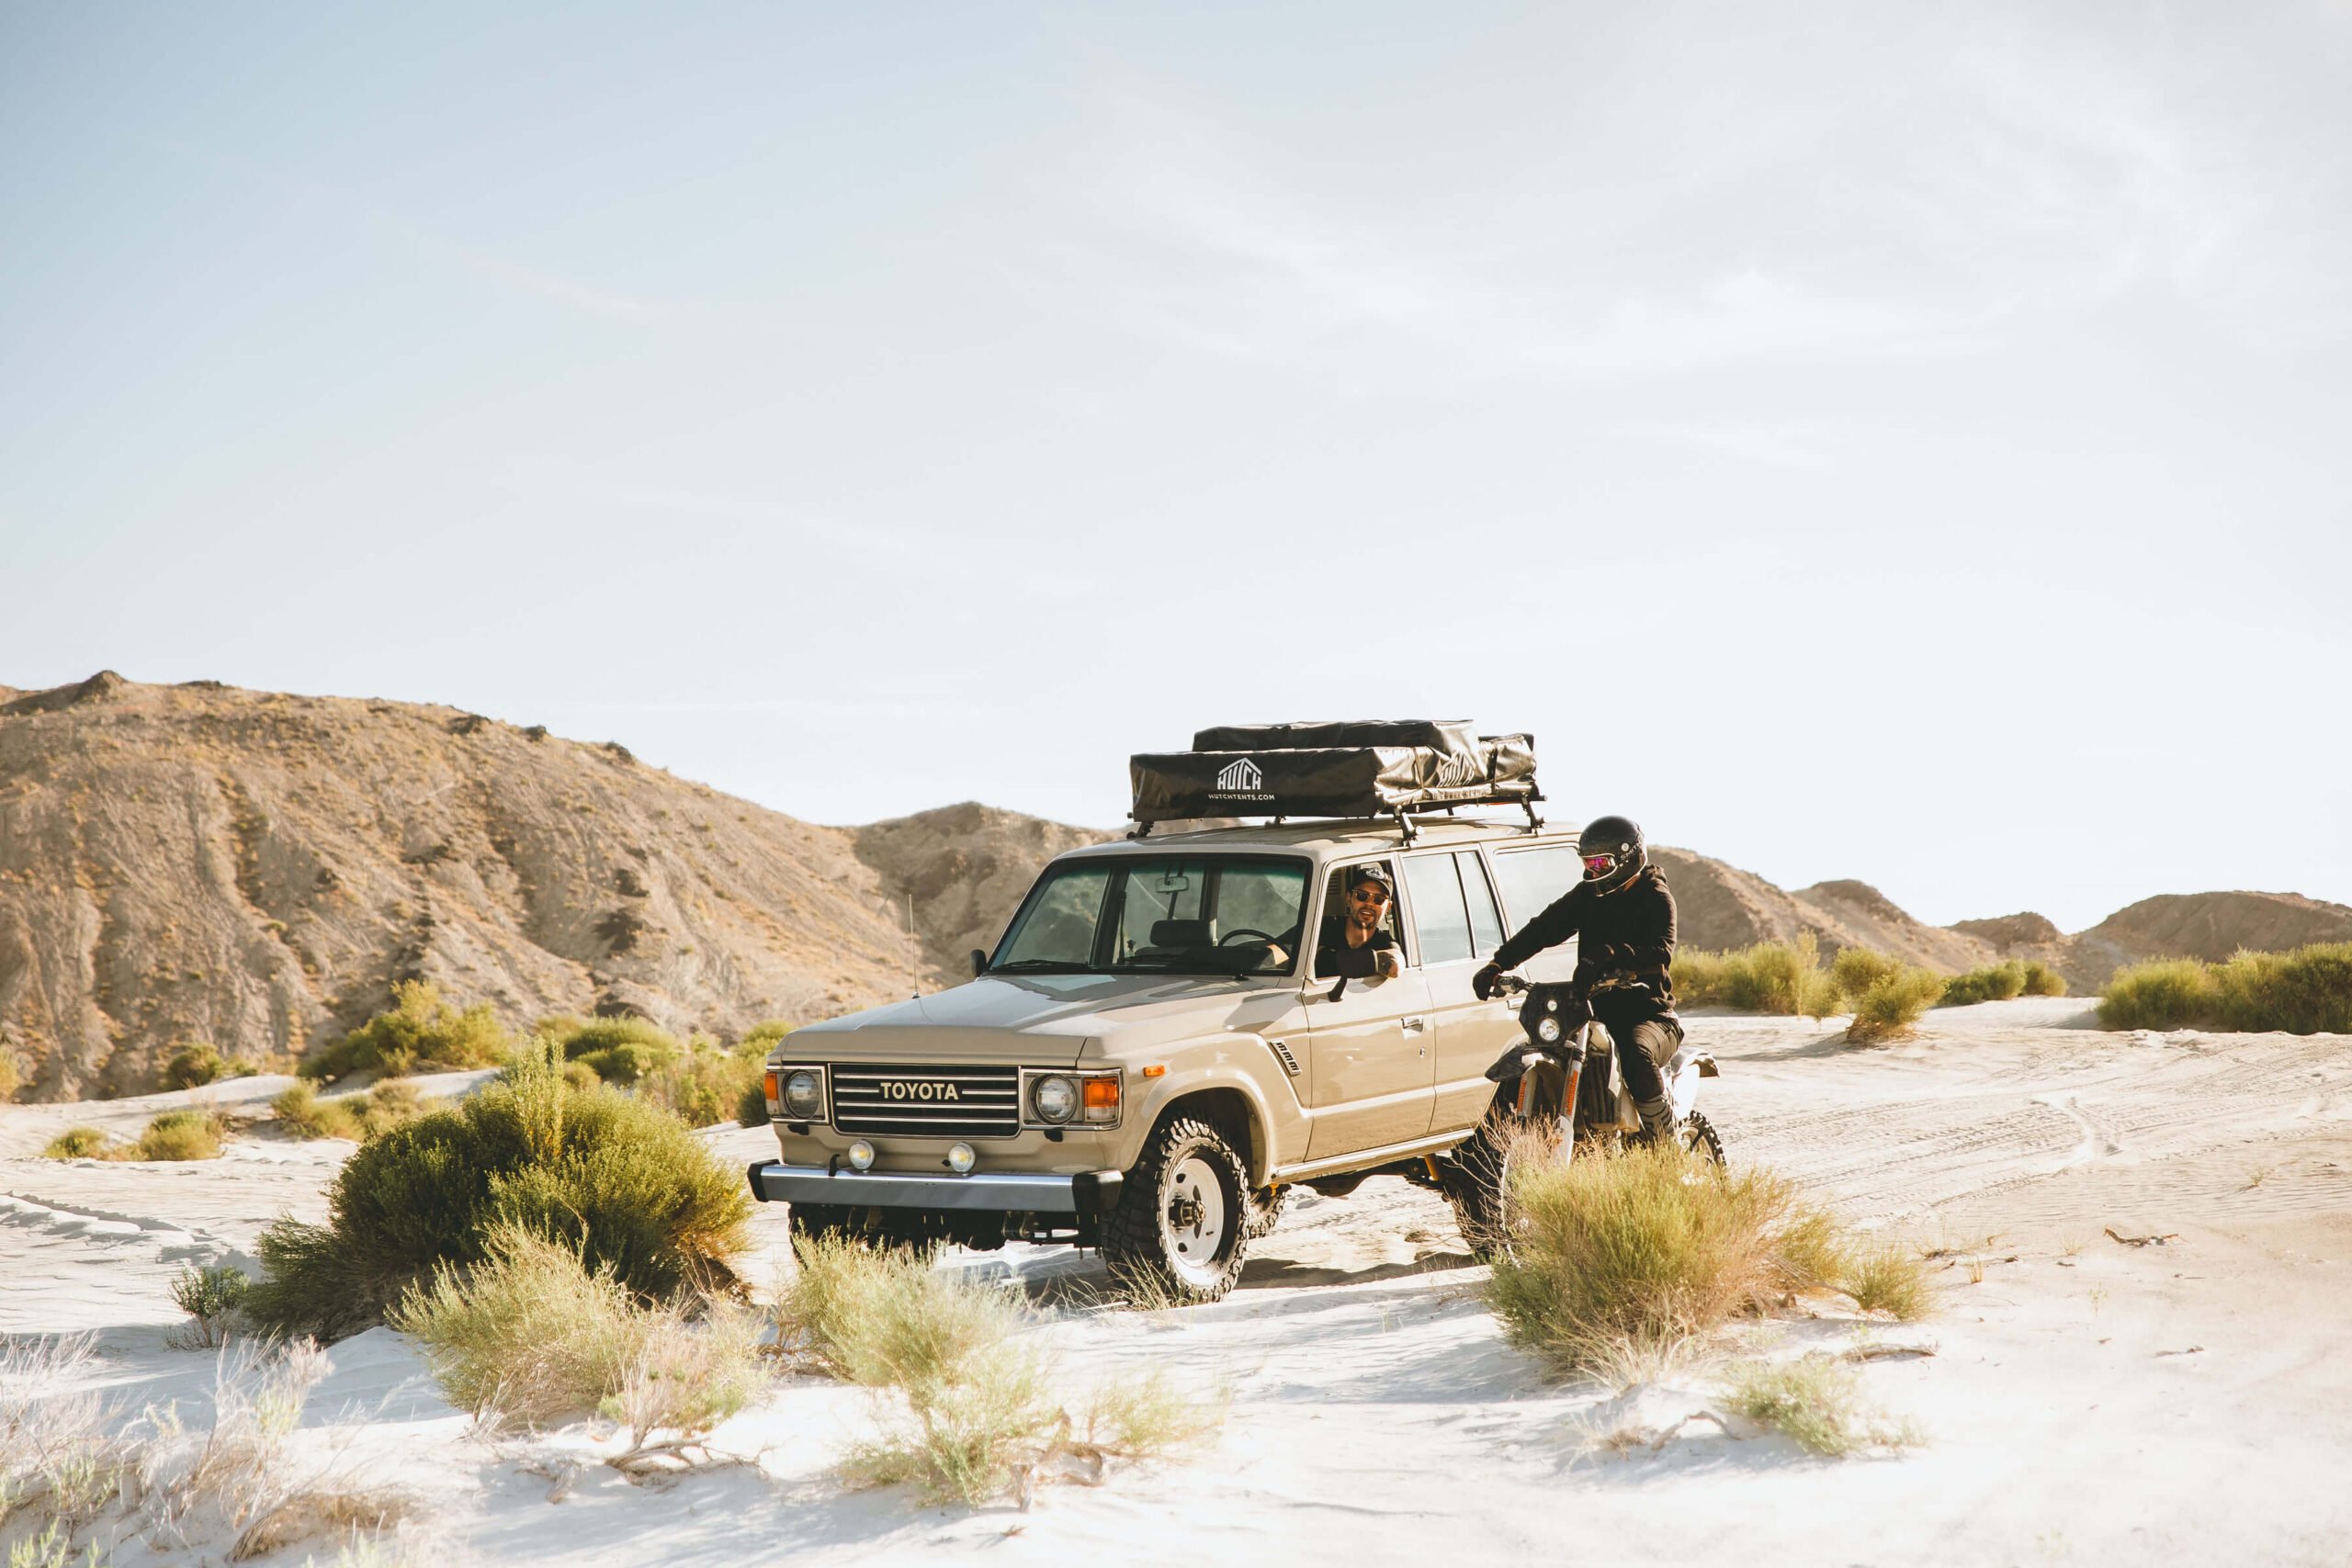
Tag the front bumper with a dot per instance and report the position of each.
(1089, 1192)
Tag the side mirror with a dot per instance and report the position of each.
(979, 964)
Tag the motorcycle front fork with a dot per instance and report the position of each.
(1529, 1106)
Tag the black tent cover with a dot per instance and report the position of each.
(1360, 768)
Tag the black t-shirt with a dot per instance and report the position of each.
(1334, 956)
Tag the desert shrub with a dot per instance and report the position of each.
(239, 1476)
(12, 1076)
(303, 1115)
(682, 1380)
(1643, 1249)
(58, 1457)
(975, 1414)
(2165, 993)
(762, 1039)
(1993, 983)
(1886, 1277)
(192, 1064)
(752, 1110)
(1855, 969)
(1889, 1009)
(419, 1032)
(210, 1297)
(181, 1135)
(2306, 991)
(618, 1050)
(1816, 1400)
(1701, 979)
(705, 1085)
(2040, 980)
(886, 1317)
(621, 1179)
(355, 1116)
(1770, 977)
(80, 1142)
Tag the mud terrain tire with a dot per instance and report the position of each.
(1180, 1225)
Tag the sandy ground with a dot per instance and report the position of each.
(2089, 1401)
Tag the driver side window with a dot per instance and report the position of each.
(1339, 907)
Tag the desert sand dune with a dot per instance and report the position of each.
(2181, 1399)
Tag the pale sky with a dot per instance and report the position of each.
(1909, 443)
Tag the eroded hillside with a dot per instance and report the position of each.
(256, 870)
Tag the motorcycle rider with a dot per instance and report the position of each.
(1624, 917)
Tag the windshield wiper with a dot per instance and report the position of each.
(1041, 966)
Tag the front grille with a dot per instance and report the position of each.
(986, 1102)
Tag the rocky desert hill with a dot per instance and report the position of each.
(963, 868)
(2211, 926)
(256, 870)
(1723, 907)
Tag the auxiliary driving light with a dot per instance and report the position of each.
(961, 1159)
(804, 1096)
(861, 1156)
(1055, 1099)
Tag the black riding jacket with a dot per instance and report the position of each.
(1627, 933)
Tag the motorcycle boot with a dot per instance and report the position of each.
(1657, 1119)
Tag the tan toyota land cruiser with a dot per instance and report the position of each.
(1153, 1053)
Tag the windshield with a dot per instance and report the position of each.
(1185, 914)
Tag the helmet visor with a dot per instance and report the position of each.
(1598, 866)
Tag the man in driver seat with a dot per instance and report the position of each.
(1353, 942)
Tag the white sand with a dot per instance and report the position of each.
(2090, 1402)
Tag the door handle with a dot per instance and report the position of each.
(1415, 1025)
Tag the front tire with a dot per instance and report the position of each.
(1180, 1225)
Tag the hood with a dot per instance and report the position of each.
(1049, 1020)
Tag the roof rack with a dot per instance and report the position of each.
(1379, 769)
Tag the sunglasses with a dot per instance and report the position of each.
(1369, 896)
(1599, 865)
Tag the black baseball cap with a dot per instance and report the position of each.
(1375, 872)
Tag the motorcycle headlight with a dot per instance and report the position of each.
(804, 1094)
(1548, 1031)
(1055, 1099)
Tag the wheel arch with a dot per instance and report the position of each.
(1234, 1106)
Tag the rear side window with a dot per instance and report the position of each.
(1532, 878)
(1485, 925)
(1440, 918)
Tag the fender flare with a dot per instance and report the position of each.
(1224, 1075)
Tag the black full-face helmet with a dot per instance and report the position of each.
(1612, 850)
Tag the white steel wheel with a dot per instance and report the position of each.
(1180, 1229)
(1194, 1221)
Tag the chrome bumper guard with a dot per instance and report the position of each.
(1089, 1192)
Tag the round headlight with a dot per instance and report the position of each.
(861, 1156)
(961, 1158)
(803, 1096)
(1548, 1031)
(1053, 1099)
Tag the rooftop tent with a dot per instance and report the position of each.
(1372, 768)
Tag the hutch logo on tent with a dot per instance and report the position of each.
(1241, 776)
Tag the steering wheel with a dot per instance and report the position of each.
(1244, 931)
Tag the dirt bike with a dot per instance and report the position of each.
(1561, 1086)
